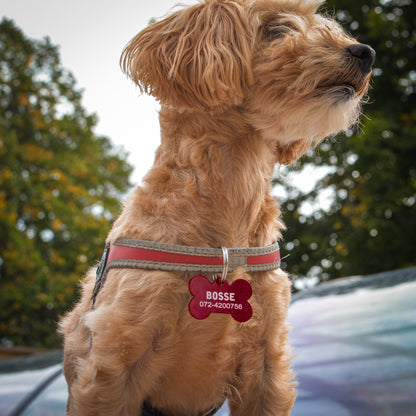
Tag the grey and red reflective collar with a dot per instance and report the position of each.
(141, 254)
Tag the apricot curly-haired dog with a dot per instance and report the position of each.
(243, 85)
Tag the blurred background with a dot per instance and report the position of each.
(75, 137)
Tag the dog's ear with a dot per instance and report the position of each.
(287, 154)
(198, 58)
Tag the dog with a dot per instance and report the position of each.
(243, 86)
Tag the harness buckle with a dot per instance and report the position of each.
(100, 273)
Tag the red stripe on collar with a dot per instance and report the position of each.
(134, 253)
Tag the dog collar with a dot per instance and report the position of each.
(142, 254)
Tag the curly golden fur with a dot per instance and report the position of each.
(243, 85)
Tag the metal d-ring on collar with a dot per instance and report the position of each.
(225, 264)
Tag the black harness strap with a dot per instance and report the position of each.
(148, 410)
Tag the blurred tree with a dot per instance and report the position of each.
(370, 225)
(60, 187)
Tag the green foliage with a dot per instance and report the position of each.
(59, 188)
(371, 223)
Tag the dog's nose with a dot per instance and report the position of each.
(364, 54)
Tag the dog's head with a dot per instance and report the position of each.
(296, 75)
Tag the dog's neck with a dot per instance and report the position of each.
(209, 185)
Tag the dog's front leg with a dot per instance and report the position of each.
(124, 364)
(266, 386)
(109, 387)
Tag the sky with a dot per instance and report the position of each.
(91, 35)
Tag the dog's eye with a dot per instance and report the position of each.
(275, 32)
(279, 29)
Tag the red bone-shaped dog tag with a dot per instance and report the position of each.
(220, 297)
